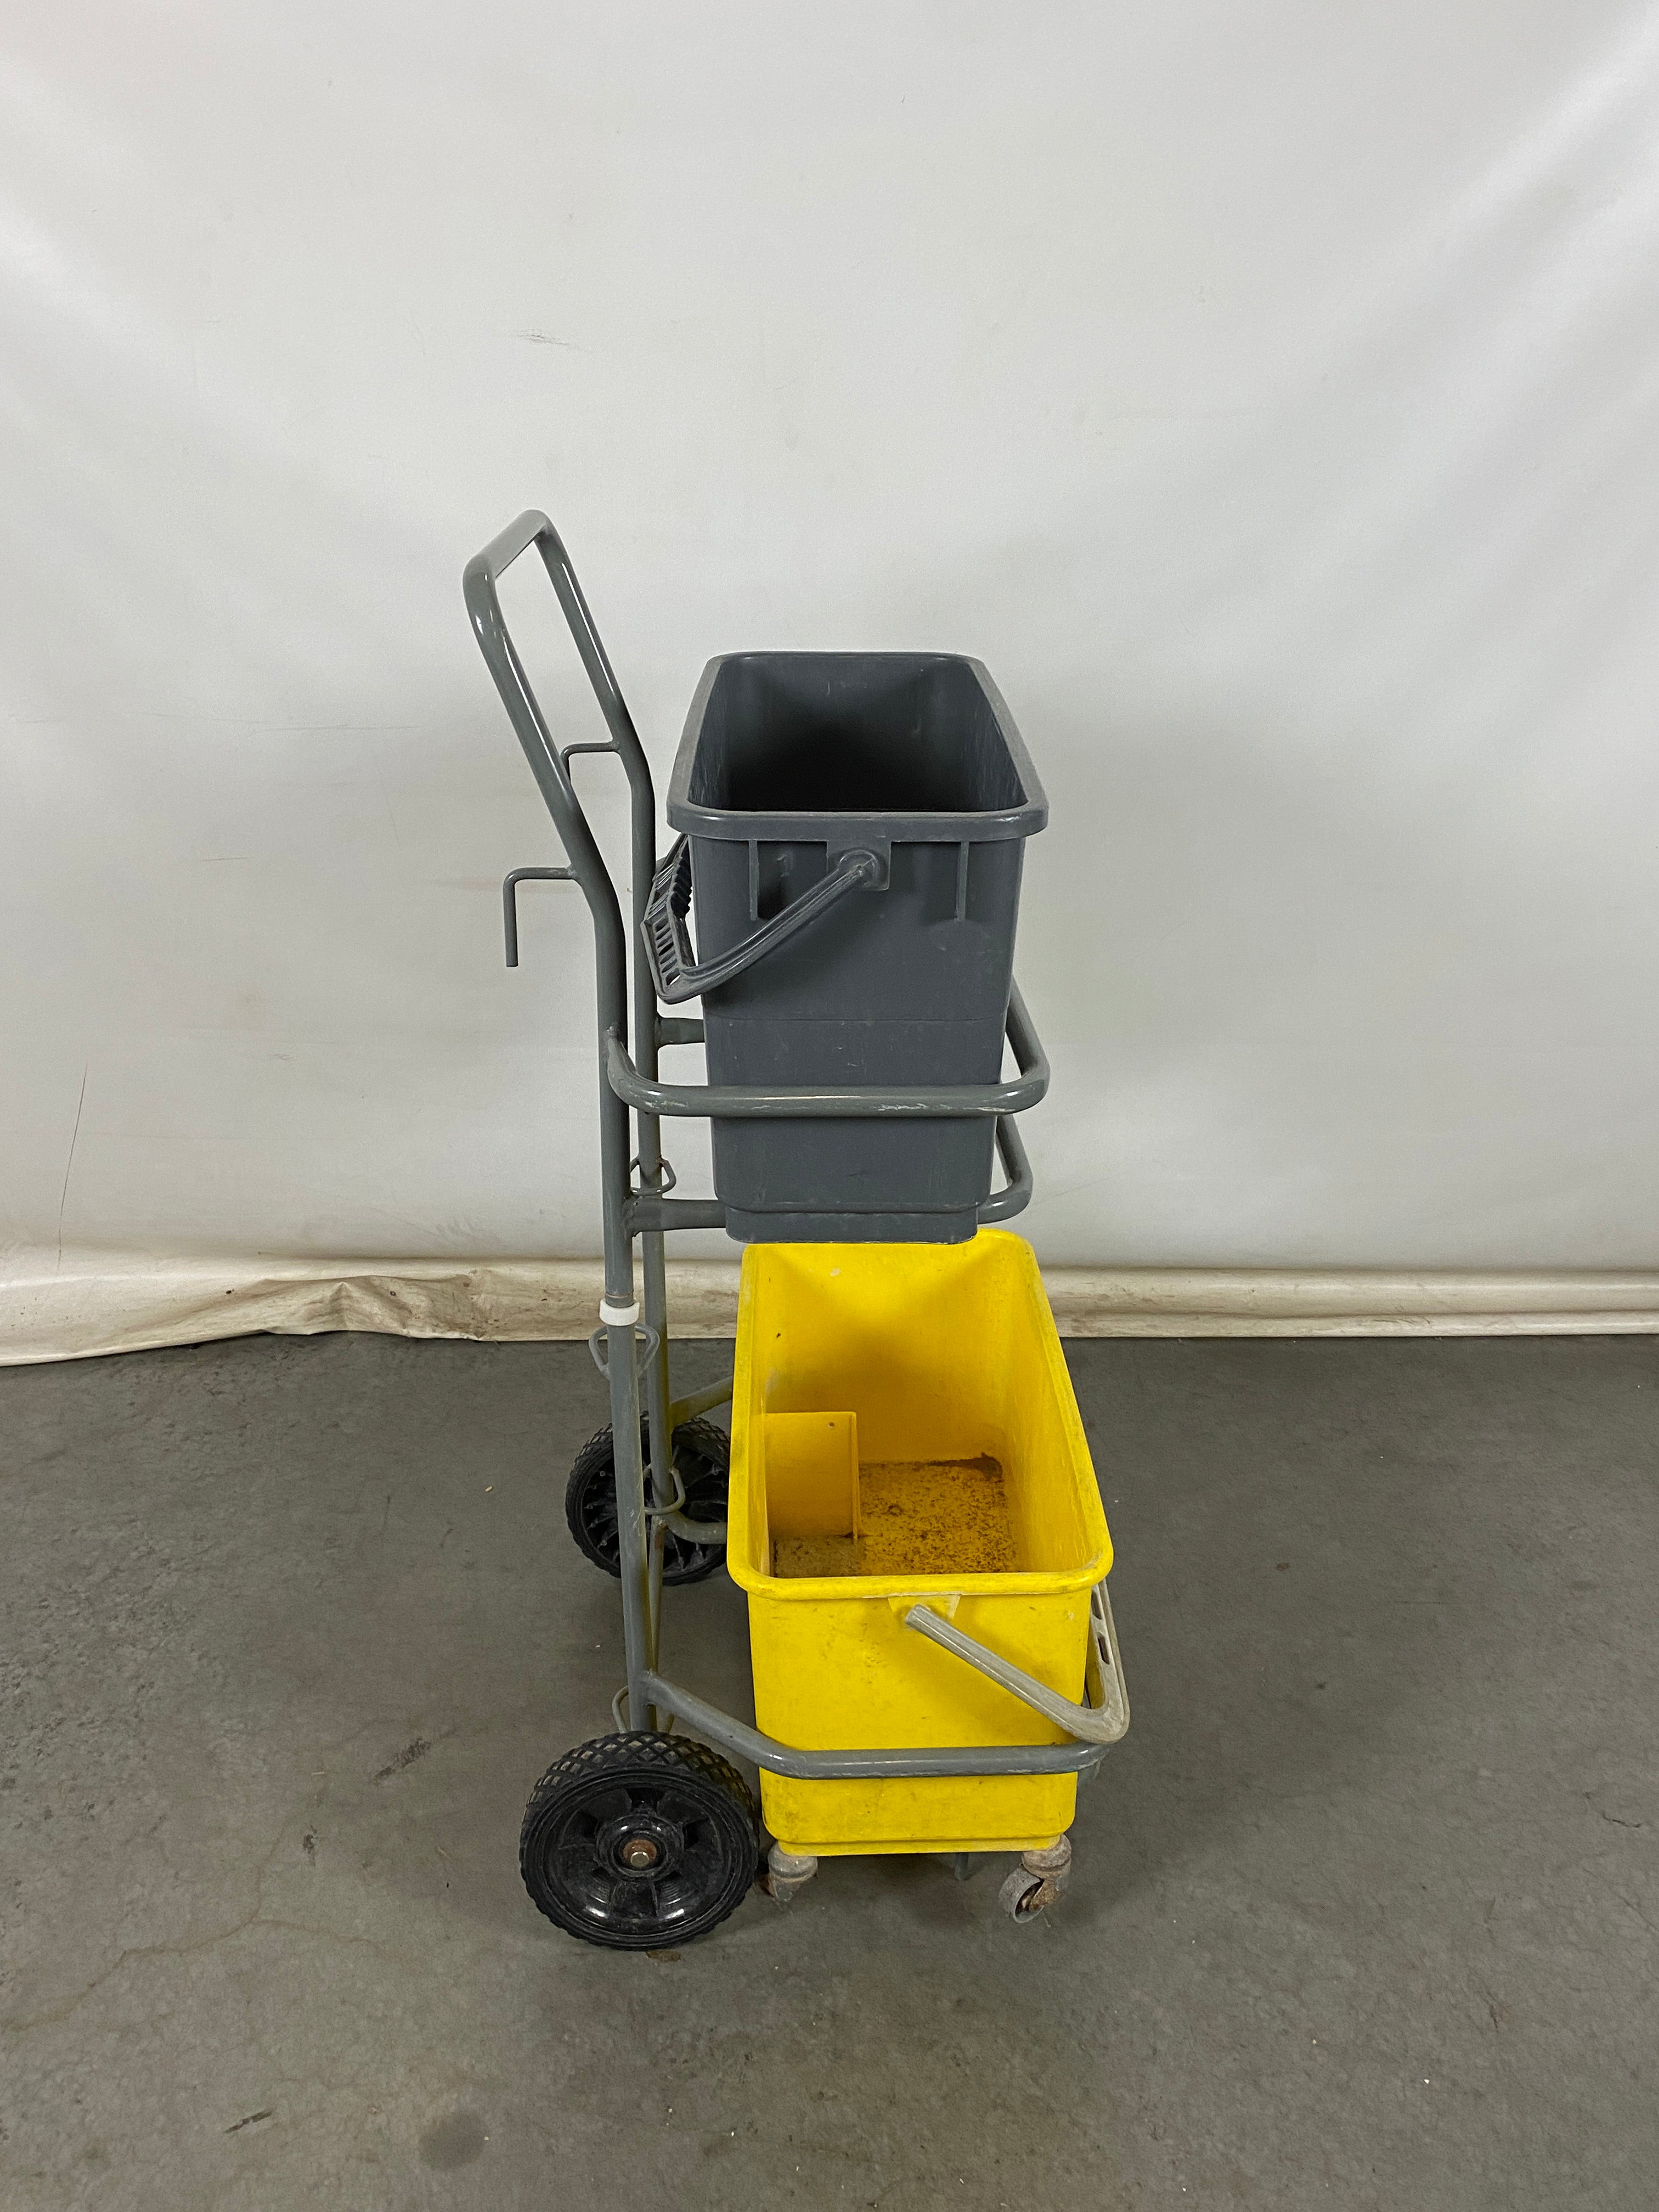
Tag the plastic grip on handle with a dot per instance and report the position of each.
(675, 968)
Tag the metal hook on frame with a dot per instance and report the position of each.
(510, 901)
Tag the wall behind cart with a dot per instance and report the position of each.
(1267, 394)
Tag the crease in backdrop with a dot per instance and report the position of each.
(1267, 397)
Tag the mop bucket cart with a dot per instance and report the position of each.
(906, 1498)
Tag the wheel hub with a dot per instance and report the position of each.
(640, 1842)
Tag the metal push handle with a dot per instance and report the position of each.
(1104, 1719)
(550, 763)
(675, 968)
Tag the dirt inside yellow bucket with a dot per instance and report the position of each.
(934, 1517)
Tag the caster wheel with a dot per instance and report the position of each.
(639, 1842)
(1023, 1896)
(786, 1874)
(1036, 1882)
(702, 1454)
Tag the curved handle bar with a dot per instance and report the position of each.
(548, 763)
(675, 968)
(549, 767)
(1104, 1719)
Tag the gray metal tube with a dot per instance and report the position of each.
(1083, 1722)
(510, 901)
(646, 1212)
(1003, 1205)
(639, 1627)
(701, 1401)
(659, 1424)
(550, 769)
(587, 863)
(730, 1102)
(686, 1409)
(647, 1215)
(695, 1532)
(765, 1751)
(873, 1102)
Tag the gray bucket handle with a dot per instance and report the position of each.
(1104, 1719)
(675, 968)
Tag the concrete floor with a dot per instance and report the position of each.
(1364, 1911)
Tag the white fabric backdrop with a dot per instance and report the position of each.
(1268, 394)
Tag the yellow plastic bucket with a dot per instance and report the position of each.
(903, 1426)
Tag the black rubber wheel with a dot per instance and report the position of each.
(702, 1460)
(639, 1842)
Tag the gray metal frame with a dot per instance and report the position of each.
(631, 1342)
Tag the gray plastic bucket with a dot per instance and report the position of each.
(874, 808)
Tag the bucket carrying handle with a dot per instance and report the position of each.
(1104, 1719)
(675, 968)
